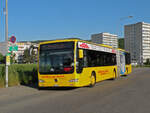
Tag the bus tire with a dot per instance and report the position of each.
(114, 75)
(93, 79)
(126, 74)
(127, 70)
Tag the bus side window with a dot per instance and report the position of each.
(85, 63)
(80, 62)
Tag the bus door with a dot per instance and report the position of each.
(122, 63)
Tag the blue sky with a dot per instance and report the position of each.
(53, 19)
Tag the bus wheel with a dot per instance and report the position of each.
(93, 80)
(126, 74)
(127, 70)
(114, 75)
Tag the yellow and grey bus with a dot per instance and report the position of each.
(77, 63)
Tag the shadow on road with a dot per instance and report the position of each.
(30, 85)
(35, 86)
(124, 76)
(58, 88)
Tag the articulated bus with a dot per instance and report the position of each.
(77, 63)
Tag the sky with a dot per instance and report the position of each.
(32, 20)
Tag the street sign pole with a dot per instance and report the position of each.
(6, 40)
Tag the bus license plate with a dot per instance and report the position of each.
(56, 85)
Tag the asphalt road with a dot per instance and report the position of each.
(130, 94)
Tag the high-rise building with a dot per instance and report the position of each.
(105, 38)
(137, 41)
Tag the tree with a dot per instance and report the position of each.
(26, 56)
(12, 60)
(147, 62)
(32, 54)
(121, 43)
(2, 58)
(29, 55)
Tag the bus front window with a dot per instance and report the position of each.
(56, 61)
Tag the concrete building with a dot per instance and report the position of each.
(137, 41)
(22, 46)
(105, 38)
(3, 48)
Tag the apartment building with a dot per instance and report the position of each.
(137, 41)
(3, 50)
(105, 38)
(22, 46)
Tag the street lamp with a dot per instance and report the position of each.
(6, 38)
(127, 17)
(123, 18)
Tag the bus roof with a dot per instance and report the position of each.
(59, 40)
(74, 39)
(79, 40)
(122, 50)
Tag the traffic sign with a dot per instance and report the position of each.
(12, 39)
(8, 54)
(13, 48)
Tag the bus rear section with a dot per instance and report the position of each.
(123, 62)
(128, 63)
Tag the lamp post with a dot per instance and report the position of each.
(127, 17)
(119, 65)
(119, 23)
(6, 40)
(124, 18)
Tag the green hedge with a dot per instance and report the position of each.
(2, 75)
(19, 74)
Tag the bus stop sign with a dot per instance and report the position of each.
(12, 39)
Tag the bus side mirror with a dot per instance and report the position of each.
(80, 53)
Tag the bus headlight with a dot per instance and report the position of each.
(74, 80)
(41, 81)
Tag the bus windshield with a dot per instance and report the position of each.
(56, 58)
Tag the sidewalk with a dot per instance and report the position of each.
(16, 91)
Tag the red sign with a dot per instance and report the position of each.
(13, 39)
(84, 45)
(103, 72)
(57, 76)
(113, 51)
